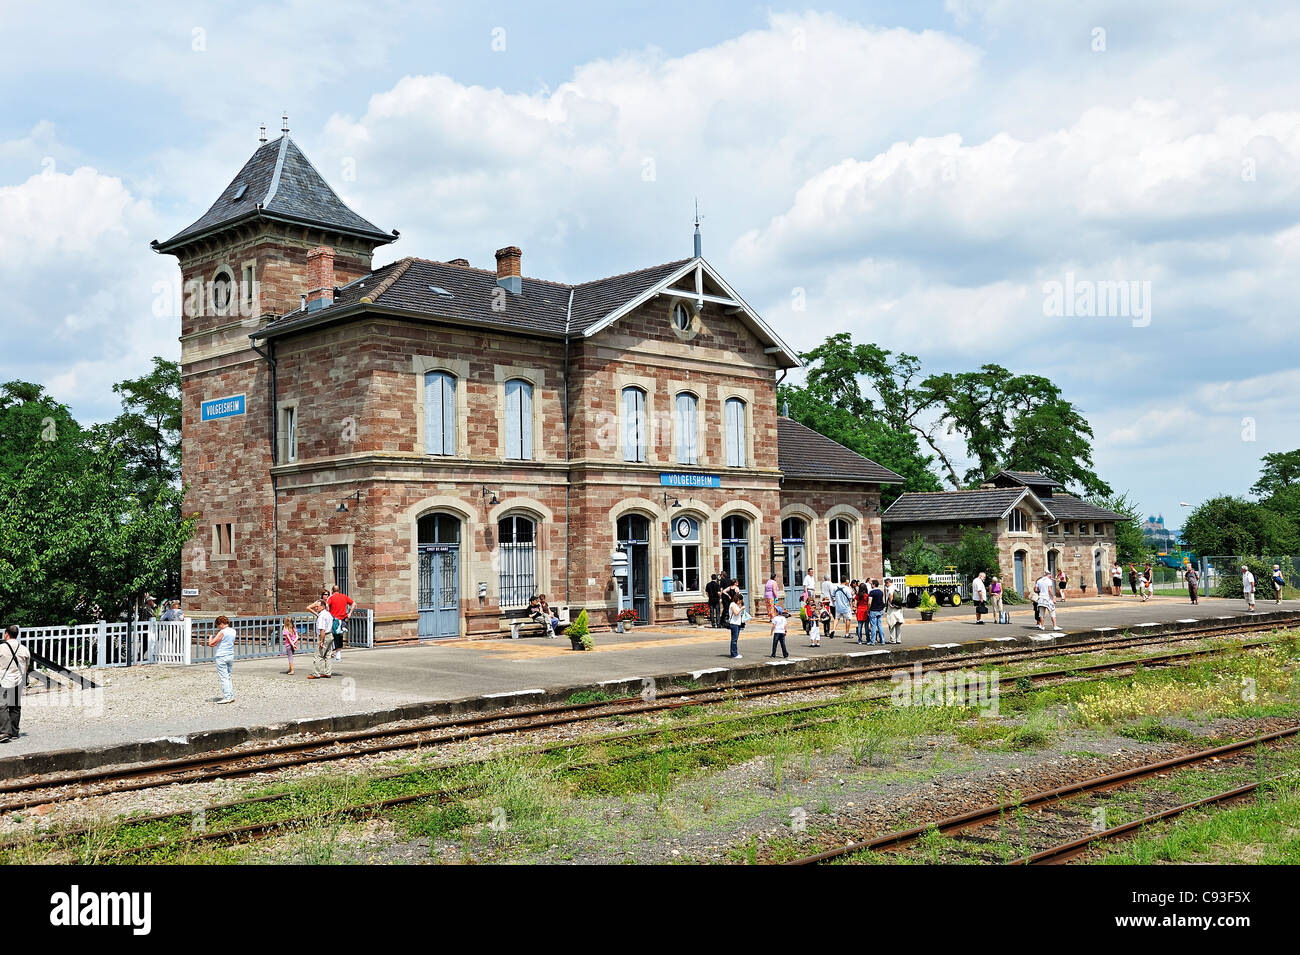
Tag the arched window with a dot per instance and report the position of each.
(684, 532)
(517, 540)
(634, 424)
(735, 433)
(519, 419)
(1016, 521)
(840, 549)
(687, 452)
(439, 413)
(223, 292)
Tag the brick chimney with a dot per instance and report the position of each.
(463, 263)
(320, 278)
(509, 274)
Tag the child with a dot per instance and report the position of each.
(290, 635)
(814, 618)
(778, 632)
(827, 618)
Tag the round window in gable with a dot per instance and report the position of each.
(682, 317)
(222, 290)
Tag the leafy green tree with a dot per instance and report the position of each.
(1130, 545)
(919, 557)
(1016, 422)
(1233, 525)
(148, 431)
(974, 552)
(1280, 471)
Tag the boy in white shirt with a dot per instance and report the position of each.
(778, 632)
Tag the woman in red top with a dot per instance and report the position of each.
(861, 603)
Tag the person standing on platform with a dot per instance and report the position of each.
(861, 605)
(995, 595)
(844, 605)
(340, 606)
(980, 594)
(1116, 579)
(1248, 587)
(735, 620)
(289, 634)
(769, 595)
(1062, 582)
(713, 593)
(1133, 579)
(1046, 606)
(778, 632)
(894, 622)
(809, 582)
(322, 664)
(1193, 579)
(223, 638)
(15, 662)
(1278, 583)
(875, 611)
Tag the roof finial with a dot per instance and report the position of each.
(699, 242)
(261, 133)
(284, 122)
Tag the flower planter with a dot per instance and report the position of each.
(927, 614)
(576, 643)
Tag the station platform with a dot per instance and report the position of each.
(169, 711)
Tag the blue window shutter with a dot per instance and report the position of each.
(448, 414)
(525, 420)
(432, 413)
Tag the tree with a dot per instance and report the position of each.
(919, 557)
(1280, 471)
(148, 431)
(1016, 422)
(974, 552)
(1130, 546)
(1226, 526)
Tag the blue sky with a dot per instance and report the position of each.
(916, 173)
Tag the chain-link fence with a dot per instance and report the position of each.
(1221, 575)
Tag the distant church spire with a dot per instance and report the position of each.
(284, 122)
(699, 242)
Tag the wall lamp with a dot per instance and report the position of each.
(675, 502)
(343, 504)
(488, 498)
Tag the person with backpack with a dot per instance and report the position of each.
(843, 598)
(875, 611)
(340, 606)
(1278, 583)
(15, 662)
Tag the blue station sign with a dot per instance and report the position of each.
(223, 407)
(690, 480)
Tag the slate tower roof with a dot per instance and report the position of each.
(278, 182)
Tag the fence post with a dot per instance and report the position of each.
(185, 642)
(101, 644)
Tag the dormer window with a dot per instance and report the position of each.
(1016, 522)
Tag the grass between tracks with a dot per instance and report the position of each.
(765, 786)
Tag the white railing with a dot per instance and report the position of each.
(103, 644)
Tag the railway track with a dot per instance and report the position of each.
(965, 828)
(252, 761)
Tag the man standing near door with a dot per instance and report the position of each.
(713, 590)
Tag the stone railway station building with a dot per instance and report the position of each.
(445, 441)
(1034, 525)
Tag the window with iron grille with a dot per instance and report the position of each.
(517, 543)
(339, 554)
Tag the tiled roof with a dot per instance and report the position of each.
(947, 506)
(1067, 507)
(279, 182)
(1028, 478)
(803, 453)
(463, 294)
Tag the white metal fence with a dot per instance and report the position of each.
(183, 642)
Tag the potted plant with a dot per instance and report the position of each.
(928, 605)
(697, 613)
(579, 633)
(626, 620)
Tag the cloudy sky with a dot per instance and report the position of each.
(923, 175)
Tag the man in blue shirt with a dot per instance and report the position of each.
(875, 610)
